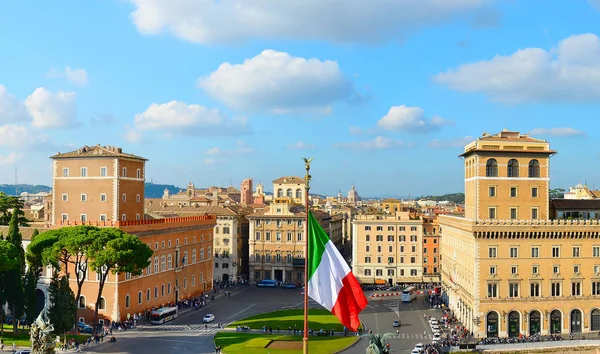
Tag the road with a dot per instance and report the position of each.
(177, 337)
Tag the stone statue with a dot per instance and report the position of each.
(41, 340)
(378, 343)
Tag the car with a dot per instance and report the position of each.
(397, 323)
(85, 328)
(419, 346)
(433, 319)
(435, 328)
(289, 286)
(24, 351)
(437, 337)
(415, 351)
(208, 318)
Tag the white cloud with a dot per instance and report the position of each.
(23, 138)
(233, 21)
(11, 109)
(459, 142)
(277, 82)
(76, 76)
(379, 143)
(565, 131)
(179, 117)
(568, 73)
(10, 159)
(301, 145)
(52, 110)
(410, 119)
(240, 149)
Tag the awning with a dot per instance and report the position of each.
(380, 282)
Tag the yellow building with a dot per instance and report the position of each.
(506, 268)
(387, 248)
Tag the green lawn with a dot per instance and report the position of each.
(248, 343)
(317, 319)
(21, 339)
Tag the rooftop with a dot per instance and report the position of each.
(289, 179)
(97, 151)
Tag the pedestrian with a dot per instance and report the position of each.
(1, 344)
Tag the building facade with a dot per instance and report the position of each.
(246, 192)
(507, 269)
(289, 189)
(387, 249)
(431, 249)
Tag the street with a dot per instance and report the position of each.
(177, 337)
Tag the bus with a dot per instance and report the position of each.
(163, 315)
(267, 283)
(409, 294)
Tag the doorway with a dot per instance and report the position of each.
(514, 328)
(492, 324)
(555, 322)
(278, 274)
(575, 321)
(534, 323)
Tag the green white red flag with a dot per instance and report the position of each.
(331, 283)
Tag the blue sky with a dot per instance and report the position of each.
(383, 94)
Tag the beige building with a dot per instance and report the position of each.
(506, 268)
(289, 189)
(387, 248)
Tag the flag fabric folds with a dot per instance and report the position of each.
(331, 283)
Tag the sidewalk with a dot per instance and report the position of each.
(536, 345)
(284, 332)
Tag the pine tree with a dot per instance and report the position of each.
(62, 309)
(32, 276)
(14, 278)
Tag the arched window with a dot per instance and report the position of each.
(185, 283)
(289, 193)
(299, 193)
(140, 297)
(279, 193)
(170, 261)
(127, 301)
(534, 168)
(156, 292)
(102, 304)
(162, 290)
(168, 288)
(193, 280)
(491, 168)
(148, 297)
(595, 320)
(81, 302)
(163, 263)
(513, 168)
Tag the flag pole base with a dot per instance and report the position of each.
(305, 345)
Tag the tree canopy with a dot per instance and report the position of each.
(8, 205)
(8, 256)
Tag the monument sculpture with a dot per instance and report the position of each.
(40, 335)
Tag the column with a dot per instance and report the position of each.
(283, 275)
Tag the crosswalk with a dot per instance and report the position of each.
(419, 336)
(170, 327)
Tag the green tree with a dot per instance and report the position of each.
(115, 251)
(62, 309)
(557, 193)
(63, 247)
(32, 276)
(14, 277)
(8, 256)
(8, 205)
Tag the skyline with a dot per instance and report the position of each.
(209, 93)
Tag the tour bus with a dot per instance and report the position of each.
(267, 283)
(409, 294)
(163, 315)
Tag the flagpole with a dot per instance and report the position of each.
(307, 187)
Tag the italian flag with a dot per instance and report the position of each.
(330, 280)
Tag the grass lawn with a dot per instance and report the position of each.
(317, 319)
(248, 343)
(21, 339)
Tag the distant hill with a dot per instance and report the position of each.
(152, 190)
(17, 189)
(457, 198)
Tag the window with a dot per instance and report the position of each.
(123, 217)
(513, 290)
(390, 260)
(169, 285)
(402, 228)
(367, 272)
(492, 252)
(514, 252)
(492, 290)
(148, 297)
(103, 197)
(576, 289)
(555, 252)
(491, 168)
(278, 236)
(413, 260)
(390, 272)
(290, 237)
(576, 251)
(513, 168)
(103, 171)
(162, 290)
(83, 217)
(84, 197)
(65, 172)
(555, 270)
(596, 288)
(102, 217)
(124, 198)
(390, 238)
(156, 292)
(137, 198)
(534, 192)
(378, 259)
(492, 269)
(138, 217)
(513, 213)
(555, 289)
(65, 217)
(535, 252)
(378, 272)
(390, 228)
(390, 248)
(81, 302)
(492, 191)
(367, 259)
(413, 238)
(299, 238)
(83, 172)
(596, 251)
(127, 301)
(413, 248)
(534, 289)
(534, 169)
(413, 228)
(170, 261)
(513, 192)
(492, 213)
(379, 238)
(413, 272)
(163, 263)
(534, 214)
(596, 269)
(155, 264)
(124, 172)
(65, 197)
(367, 228)
(379, 228)
(140, 297)
(138, 173)
(535, 269)
(514, 270)
(402, 238)
(257, 236)
(127, 276)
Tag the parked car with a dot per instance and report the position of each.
(289, 286)
(8, 319)
(397, 323)
(436, 337)
(24, 351)
(208, 318)
(84, 328)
